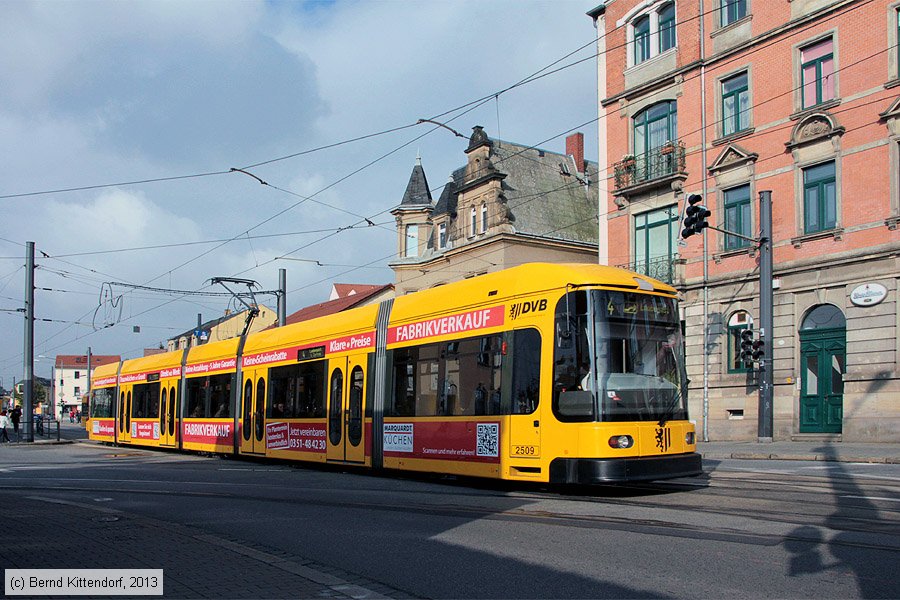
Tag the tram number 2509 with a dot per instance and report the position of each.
(525, 450)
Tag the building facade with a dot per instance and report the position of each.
(729, 98)
(510, 204)
(222, 328)
(71, 379)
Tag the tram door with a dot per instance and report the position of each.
(168, 411)
(125, 414)
(253, 413)
(346, 391)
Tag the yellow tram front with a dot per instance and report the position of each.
(100, 416)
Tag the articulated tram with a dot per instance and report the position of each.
(543, 372)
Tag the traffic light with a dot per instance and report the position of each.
(759, 350)
(694, 216)
(747, 346)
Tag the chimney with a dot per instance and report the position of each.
(575, 149)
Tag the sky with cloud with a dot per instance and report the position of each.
(320, 100)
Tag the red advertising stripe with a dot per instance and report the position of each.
(132, 377)
(228, 364)
(360, 341)
(458, 323)
(452, 440)
(296, 437)
(208, 431)
(104, 427)
(145, 430)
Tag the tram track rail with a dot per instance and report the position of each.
(841, 524)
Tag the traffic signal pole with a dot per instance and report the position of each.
(695, 215)
(766, 301)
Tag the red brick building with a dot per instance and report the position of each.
(727, 98)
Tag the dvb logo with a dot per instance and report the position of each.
(523, 308)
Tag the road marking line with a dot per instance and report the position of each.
(873, 498)
(93, 507)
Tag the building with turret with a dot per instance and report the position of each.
(509, 204)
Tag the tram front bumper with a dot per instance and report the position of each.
(617, 470)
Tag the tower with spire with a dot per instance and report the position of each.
(413, 215)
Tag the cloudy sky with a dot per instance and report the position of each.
(120, 123)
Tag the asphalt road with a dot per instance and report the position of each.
(746, 529)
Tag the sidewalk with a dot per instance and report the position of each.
(801, 450)
(50, 533)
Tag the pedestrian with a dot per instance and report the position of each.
(71, 415)
(4, 423)
(16, 417)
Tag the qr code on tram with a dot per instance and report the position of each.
(488, 439)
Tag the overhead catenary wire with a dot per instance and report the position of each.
(351, 226)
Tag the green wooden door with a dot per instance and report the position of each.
(822, 363)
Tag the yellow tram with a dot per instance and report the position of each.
(544, 372)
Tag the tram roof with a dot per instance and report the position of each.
(107, 370)
(213, 351)
(533, 277)
(152, 362)
(348, 322)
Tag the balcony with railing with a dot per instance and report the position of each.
(661, 268)
(660, 163)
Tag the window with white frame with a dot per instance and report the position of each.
(731, 11)
(652, 32)
(442, 236)
(411, 242)
(473, 222)
(484, 218)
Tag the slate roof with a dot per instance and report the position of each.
(543, 200)
(417, 192)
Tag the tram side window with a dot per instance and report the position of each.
(101, 403)
(473, 368)
(465, 377)
(297, 391)
(220, 396)
(403, 402)
(209, 396)
(145, 401)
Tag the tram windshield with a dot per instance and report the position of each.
(619, 357)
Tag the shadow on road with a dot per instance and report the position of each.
(846, 553)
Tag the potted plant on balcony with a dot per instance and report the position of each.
(667, 148)
(628, 161)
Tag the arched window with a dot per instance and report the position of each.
(667, 27)
(654, 126)
(824, 316)
(484, 218)
(473, 222)
(641, 39)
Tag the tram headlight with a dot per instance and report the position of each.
(621, 441)
(689, 438)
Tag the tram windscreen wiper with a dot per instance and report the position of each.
(669, 411)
